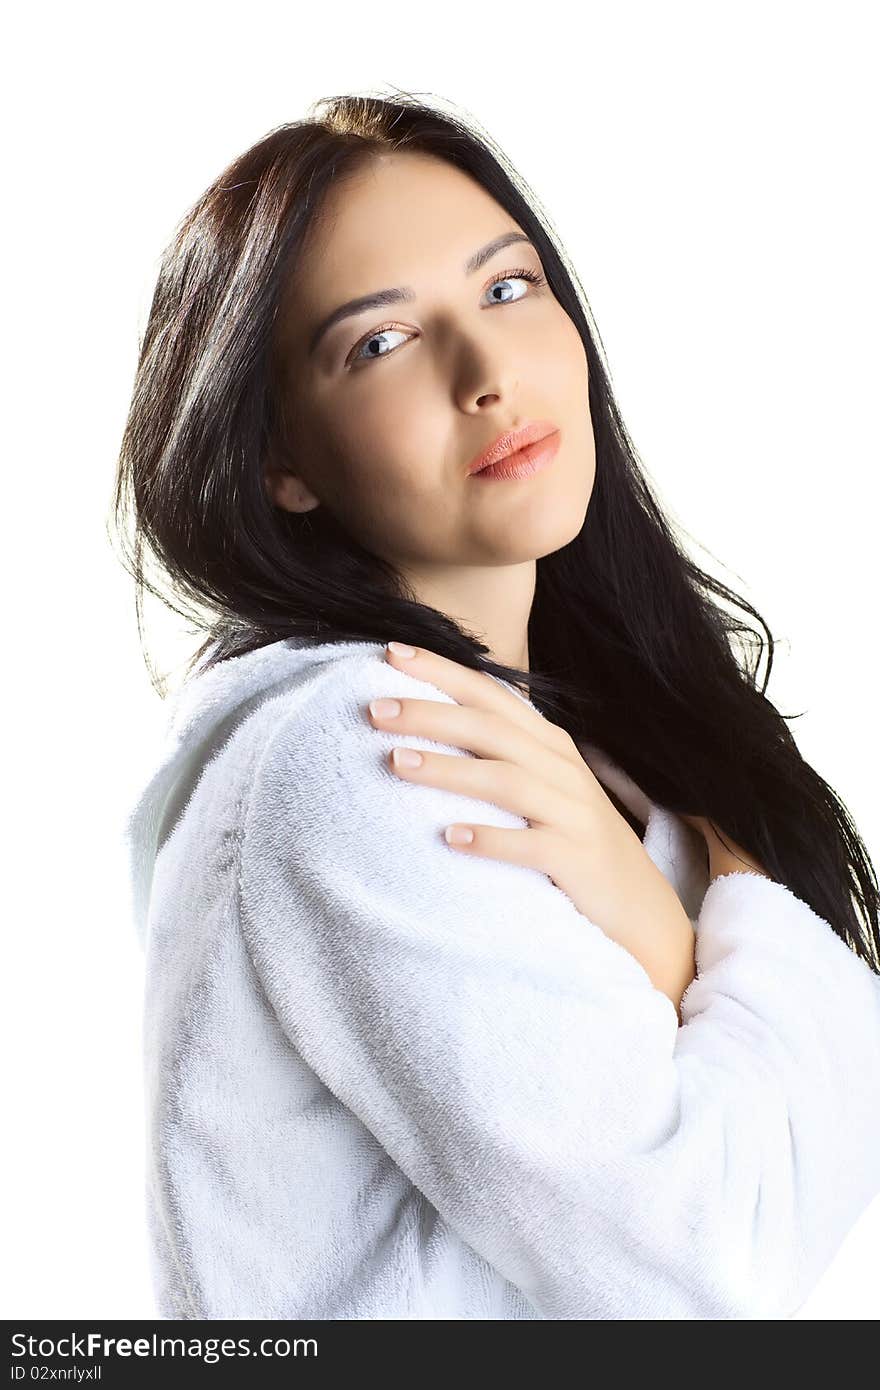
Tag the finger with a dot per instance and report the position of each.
(489, 734)
(501, 783)
(530, 848)
(482, 691)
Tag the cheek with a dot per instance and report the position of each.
(389, 443)
(565, 349)
(571, 383)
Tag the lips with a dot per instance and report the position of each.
(510, 442)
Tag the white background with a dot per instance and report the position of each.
(712, 171)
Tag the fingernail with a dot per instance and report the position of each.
(384, 709)
(401, 649)
(407, 757)
(458, 835)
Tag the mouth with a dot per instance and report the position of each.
(513, 443)
(524, 462)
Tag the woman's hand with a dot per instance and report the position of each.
(530, 766)
(729, 858)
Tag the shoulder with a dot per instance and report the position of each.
(318, 739)
(323, 784)
(328, 705)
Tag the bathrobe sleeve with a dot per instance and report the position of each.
(519, 1066)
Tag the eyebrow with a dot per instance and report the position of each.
(405, 293)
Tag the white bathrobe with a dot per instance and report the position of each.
(385, 1079)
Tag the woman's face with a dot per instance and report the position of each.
(390, 405)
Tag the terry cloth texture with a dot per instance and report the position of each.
(388, 1080)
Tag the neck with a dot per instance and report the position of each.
(490, 602)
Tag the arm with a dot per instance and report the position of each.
(679, 969)
(519, 1066)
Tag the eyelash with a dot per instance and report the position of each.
(533, 276)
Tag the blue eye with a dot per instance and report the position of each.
(533, 276)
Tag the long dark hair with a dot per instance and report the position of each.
(629, 646)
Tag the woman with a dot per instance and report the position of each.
(391, 1075)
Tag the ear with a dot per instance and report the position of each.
(285, 488)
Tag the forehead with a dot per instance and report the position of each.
(395, 203)
(394, 221)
